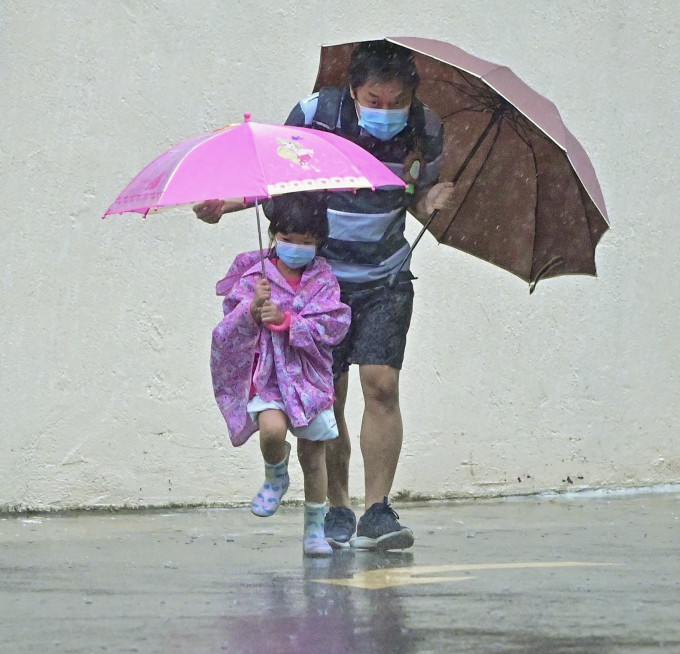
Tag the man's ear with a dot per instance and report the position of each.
(352, 94)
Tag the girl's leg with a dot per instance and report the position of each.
(275, 451)
(312, 457)
(273, 426)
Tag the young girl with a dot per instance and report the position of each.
(271, 357)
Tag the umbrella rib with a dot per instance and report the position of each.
(184, 156)
(557, 260)
(480, 110)
(545, 268)
(488, 97)
(584, 203)
(495, 119)
(523, 134)
(522, 130)
(485, 100)
(260, 166)
(467, 193)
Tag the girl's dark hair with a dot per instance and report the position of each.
(298, 213)
(382, 61)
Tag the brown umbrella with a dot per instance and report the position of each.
(527, 197)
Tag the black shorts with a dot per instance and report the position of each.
(381, 317)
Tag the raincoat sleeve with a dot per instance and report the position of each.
(323, 320)
(232, 355)
(237, 318)
(238, 291)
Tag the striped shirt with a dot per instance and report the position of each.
(366, 242)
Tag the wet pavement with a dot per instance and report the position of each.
(591, 572)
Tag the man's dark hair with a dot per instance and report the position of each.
(298, 213)
(382, 61)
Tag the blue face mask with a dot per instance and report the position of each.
(383, 123)
(293, 255)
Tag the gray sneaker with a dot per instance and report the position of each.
(379, 529)
(339, 526)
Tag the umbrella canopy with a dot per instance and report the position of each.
(251, 161)
(526, 198)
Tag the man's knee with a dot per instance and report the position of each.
(380, 385)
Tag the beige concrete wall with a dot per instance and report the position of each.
(105, 395)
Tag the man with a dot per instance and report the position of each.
(379, 111)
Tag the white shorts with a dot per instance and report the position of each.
(321, 428)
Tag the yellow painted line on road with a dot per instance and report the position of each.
(407, 576)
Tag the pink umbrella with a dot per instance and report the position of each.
(252, 161)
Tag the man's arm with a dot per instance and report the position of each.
(439, 196)
(211, 211)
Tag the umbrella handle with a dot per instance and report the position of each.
(392, 281)
(259, 236)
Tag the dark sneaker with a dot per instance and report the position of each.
(379, 529)
(339, 526)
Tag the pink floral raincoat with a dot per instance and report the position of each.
(294, 365)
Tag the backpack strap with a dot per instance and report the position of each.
(327, 109)
(414, 164)
(417, 119)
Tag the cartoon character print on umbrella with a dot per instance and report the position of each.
(293, 150)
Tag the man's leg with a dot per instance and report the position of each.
(381, 430)
(340, 522)
(339, 449)
(381, 438)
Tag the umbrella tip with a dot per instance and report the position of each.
(246, 118)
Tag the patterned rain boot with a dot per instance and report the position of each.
(276, 482)
(314, 539)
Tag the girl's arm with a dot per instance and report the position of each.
(238, 322)
(261, 301)
(323, 321)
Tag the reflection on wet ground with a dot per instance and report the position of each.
(582, 574)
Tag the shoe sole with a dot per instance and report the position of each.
(396, 540)
(338, 545)
(317, 555)
(262, 514)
